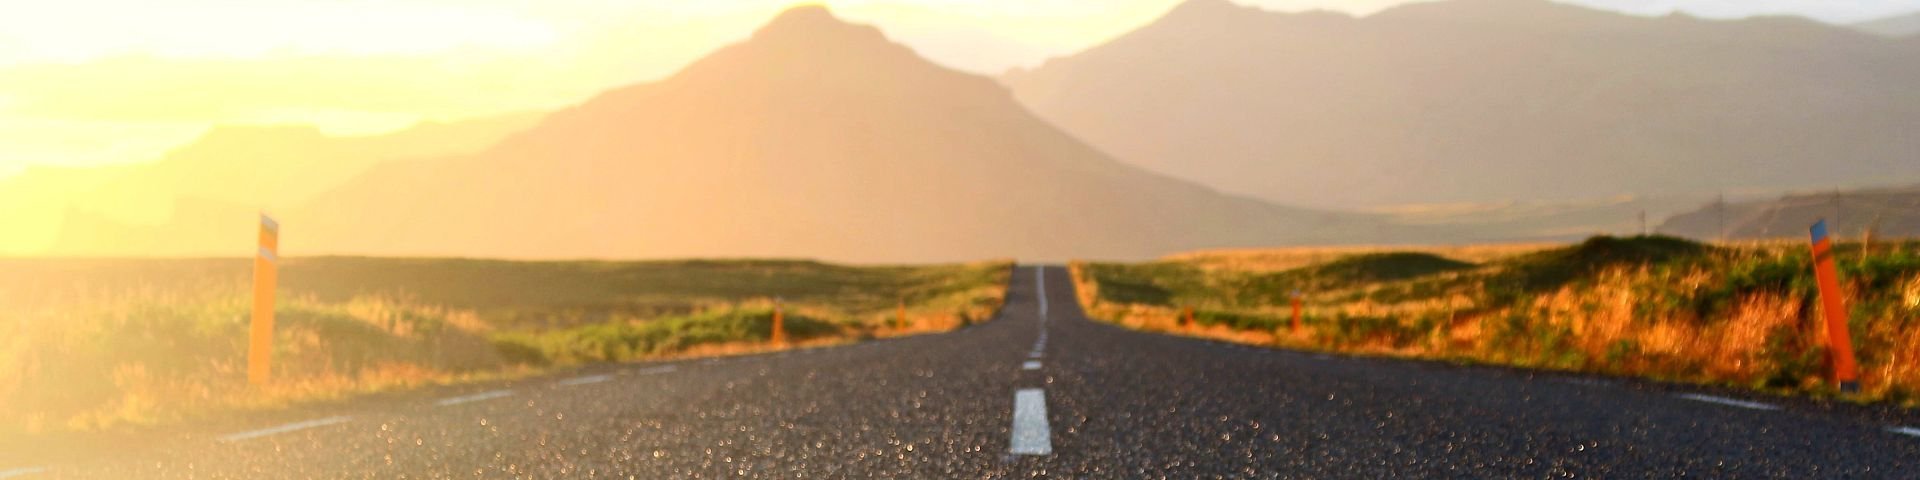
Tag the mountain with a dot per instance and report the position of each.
(1896, 26)
(1889, 212)
(814, 138)
(1480, 101)
(1540, 221)
(245, 169)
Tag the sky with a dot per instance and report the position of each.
(81, 88)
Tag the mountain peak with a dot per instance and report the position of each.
(1207, 9)
(806, 42)
(806, 14)
(1207, 5)
(813, 23)
(1524, 15)
(1515, 10)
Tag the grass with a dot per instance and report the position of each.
(1742, 315)
(97, 344)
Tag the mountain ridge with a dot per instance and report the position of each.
(1327, 110)
(1904, 26)
(243, 168)
(811, 138)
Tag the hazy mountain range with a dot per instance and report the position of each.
(1464, 120)
(84, 210)
(1896, 26)
(814, 138)
(1887, 212)
(1489, 100)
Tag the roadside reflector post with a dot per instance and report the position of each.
(260, 340)
(1296, 311)
(1187, 318)
(900, 316)
(779, 330)
(1833, 303)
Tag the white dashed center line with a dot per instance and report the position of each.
(1030, 432)
(1040, 288)
(585, 380)
(482, 396)
(21, 472)
(1030, 365)
(1908, 431)
(291, 427)
(1728, 401)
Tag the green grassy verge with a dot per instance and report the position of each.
(93, 344)
(1658, 307)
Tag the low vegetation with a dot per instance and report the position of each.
(1743, 315)
(92, 344)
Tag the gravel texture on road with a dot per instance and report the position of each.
(1118, 404)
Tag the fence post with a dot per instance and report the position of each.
(779, 330)
(1839, 339)
(260, 336)
(1296, 311)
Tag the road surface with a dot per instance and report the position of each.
(1035, 395)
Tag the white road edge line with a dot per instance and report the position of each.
(1030, 365)
(447, 402)
(1728, 401)
(21, 471)
(1908, 431)
(291, 427)
(1030, 432)
(1035, 354)
(585, 380)
(655, 370)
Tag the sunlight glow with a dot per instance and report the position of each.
(115, 88)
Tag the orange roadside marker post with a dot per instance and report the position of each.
(1839, 339)
(1187, 321)
(900, 316)
(1296, 311)
(779, 330)
(260, 341)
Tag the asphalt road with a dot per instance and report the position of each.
(1117, 404)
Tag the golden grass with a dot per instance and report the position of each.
(1742, 314)
(88, 345)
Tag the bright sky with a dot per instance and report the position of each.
(102, 81)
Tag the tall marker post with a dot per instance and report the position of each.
(1839, 340)
(1296, 311)
(1187, 318)
(260, 344)
(779, 330)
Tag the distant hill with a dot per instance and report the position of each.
(1896, 26)
(1541, 221)
(1889, 212)
(244, 169)
(1482, 101)
(814, 138)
